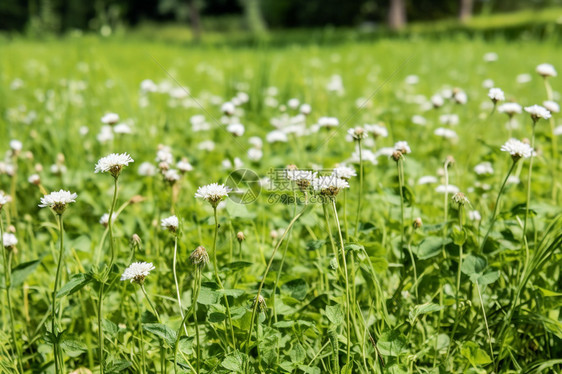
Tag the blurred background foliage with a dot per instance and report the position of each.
(194, 20)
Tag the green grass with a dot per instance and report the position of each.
(71, 83)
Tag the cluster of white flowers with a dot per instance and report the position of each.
(170, 223)
(214, 193)
(58, 200)
(9, 240)
(329, 185)
(137, 272)
(113, 163)
(517, 149)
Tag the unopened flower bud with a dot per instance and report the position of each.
(240, 236)
(417, 223)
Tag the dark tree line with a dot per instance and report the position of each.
(59, 16)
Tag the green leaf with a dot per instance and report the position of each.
(310, 370)
(473, 266)
(162, 331)
(423, 309)
(118, 366)
(234, 362)
(313, 245)
(297, 288)
(208, 296)
(392, 343)
(335, 314)
(22, 271)
(76, 282)
(488, 278)
(239, 210)
(237, 265)
(475, 355)
(72, 347)
(431, 247)
(109, 327)
(459, 236)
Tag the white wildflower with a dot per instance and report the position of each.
(484, 168)
(146, 169)
(113, 163)
(214, 193)
(517, 149)
(551, 106)
(9, 240)
(110, 118)
(537, 112)
(137, 272)
(58, 200)
(496, 94)
(170, 223)
(546, 70)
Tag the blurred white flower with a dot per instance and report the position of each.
(328, 122)
(427, 179)
(228, 108)
(484, 168)
(276, 136)
(329, 185)
(551, 106)
(402, 147)
(113, 163)
(496, 94)
(256, 142)
(184, 166)
(146, 169)
(491, 57)
(524, 78)
(537, 112)
(488, 83)
(293, 103)
(452, 189)
(510, 108)
(171, 176)
(16, 145)
(445, 133)
(122, 128)
(344, 172)
(305, 109)
(517, 149)
(104, 219)
(34, 179)
(437, 101)
(58, 200)
(474, 215)
(4, 199)
(449, 119)
(377, 130)
(110, 118)
(236, 129)
(419, 120)
(546, 70)
(206, 145)
(148, 85)
(170, 223)
(137, 272)
(357, 133)
(9, 240)
(412, 79)
(255, 154)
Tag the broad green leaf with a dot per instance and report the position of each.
(430, 247)
(76, 282)
(208, 296)
(392, 343)
(109, 327)
(22, 271)
(162, 331)
(423, 309)
(72, 347)
(118, 366)
(234, 362)
(475, 355)
(335, 314)
(297, 288)
(488, 278)
(472, 265)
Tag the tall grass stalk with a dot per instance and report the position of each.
(59, 363)
(7, 284)
(178, 293)
(360, 195)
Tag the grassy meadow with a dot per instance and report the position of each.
(388, 275)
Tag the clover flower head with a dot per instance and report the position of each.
(137, 272)
(58, 200)
(113, 163)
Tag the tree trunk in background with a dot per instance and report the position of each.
(194, 20)
(466, 10)
(254, 17)
(397, 14)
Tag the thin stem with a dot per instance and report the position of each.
(445, 205)
(400, 165)
(486, 322)
(329, 229)
(54, 308)
(110, 226)
(249, 337)
(8, 283)
(178, 294)
(194, 305)
(360, 197)
(460, 259)
(196, 287)
(150, 303)
(215, 266)
(496, 207)
(413, 266)
(528, 200)
(348, 306)
(143, 361)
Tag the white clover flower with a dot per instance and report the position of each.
(122, 128)
(329, 185)
(171, 176)
(474, 215)
(357, 133)
(170, 223)
(517, 149)
(16, 145)
(546, 70)
(452, 189)
(303, 178)
(228, 108)
(510, 108)
(164, 154)
(293, 103)
(449, 119)
(276, 136)
(104, 219)
(344, 172)
(256, 142)
(206, 145)
(137, 271)
(366, 156)
(377, 130)
(460, 97)
(437, 101)
(184, 166)
(4, 199)
(110, 118)
(524, 78)
(445, 133)
(148, 85)
(113, 163)
(243, 97)
(496, 94)
(488, 83)
(491, 57)
(214, 193)
(305, 109)
(255, 154)
(9, 240)
(236, 129)
(328, 122)
(58, 169)
(551, 106)
(419, 120)
(484, 168)
(402, 147)
(105, 135)
(427, 179)
(146, 169)
(58, 200)
(537, 112)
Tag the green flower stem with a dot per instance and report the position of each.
(496, 207)
(54, 322)
(347, 291)
(102, 285)
(528, 202)
(486, 323)
(445, 206)
(216, 269)
(195, 296)
(413, 266)
(178, 294)
(143, 361)
(461, 211)
(254, 309)
(194, 304)
(333, 244)
(360, 196)
(400, 166)
(8, 283)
